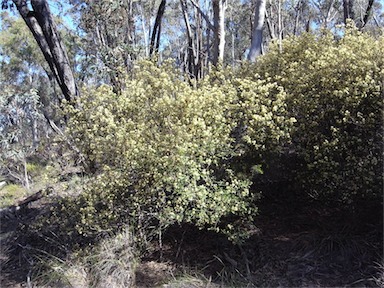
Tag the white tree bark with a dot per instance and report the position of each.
(219, 7)
(257, 36)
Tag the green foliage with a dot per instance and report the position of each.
(335, 91)
(33, 169)
(10, 193)
(20, 116)
(166, 151)
(21, 62)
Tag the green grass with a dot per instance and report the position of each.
(9, 194)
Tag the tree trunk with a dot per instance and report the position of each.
(202, 58)
(297, 16)
(26, 178)
(191, 51)
(279, 24)
(44, 30)
(271, 27)
(145, 32)
(257, 37)
(328, 15)
(156, 32)
(130, 36)
(199, 46)
(348, 10)
(219, 7)
(367, 13)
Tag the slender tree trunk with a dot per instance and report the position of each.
(199, 38)
(219, 7)
(297, 17)
(280, 25)
(348, 10)
(271, 28)
(208, 49)
(44, 30)
(191, 51)
(367, 13)
(199, 46)
(35, 134)
(130, 23)
(130, 36)
(257, 37)
(205, 16)
(26, 178)
(156, 32)
(328, 16)
(145, 33)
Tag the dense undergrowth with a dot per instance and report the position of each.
(168, 151)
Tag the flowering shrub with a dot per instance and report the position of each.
(165, 150)
(335, 92)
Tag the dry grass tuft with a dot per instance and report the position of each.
(113, 263)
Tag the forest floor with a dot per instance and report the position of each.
(293, 247)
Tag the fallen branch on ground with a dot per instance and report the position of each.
(9, 211)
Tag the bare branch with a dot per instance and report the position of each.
(206, 18)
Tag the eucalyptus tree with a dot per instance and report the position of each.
(24, 67)
(257, 35)
(360, 11)
(117, 33)
(293, 17)
(348, 10)
(156, 31)
(238, 23)
(196, 54)
(219, 8)
(107, 31)
(332, 12)
(41, 23)
(207, 39)
(22, 64)
(21, 119)
(28, 100)
(375, 20)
